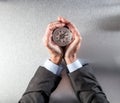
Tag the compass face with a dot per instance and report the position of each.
(62, 36)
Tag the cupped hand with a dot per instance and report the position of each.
(71, 50)
(55, 51)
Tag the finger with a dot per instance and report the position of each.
(53, 47)
(51, 43)
(78, 46)
(54, 25)
(59, 18)
(50, 29)
(75, 42)
(63, 20)
(68, 23)
(71, 26)
(46, 37)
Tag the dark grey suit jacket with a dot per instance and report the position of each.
(84, 83)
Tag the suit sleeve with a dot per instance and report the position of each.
(40, 87)
(86, 87)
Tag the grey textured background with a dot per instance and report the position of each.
(22, 26)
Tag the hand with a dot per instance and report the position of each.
(71, 50)
(55, 51)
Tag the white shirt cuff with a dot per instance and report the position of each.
(74, 66)
(56, 69)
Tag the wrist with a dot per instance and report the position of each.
(56, 59)
(70, 59)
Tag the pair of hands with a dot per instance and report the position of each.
(57, 53)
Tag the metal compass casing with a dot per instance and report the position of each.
(62, 36)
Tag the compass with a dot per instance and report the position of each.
(62, 36)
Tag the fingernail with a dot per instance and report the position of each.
(58, 18)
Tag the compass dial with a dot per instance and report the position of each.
(62, 36)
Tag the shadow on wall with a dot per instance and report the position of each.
(98, 51)
(110, 23)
